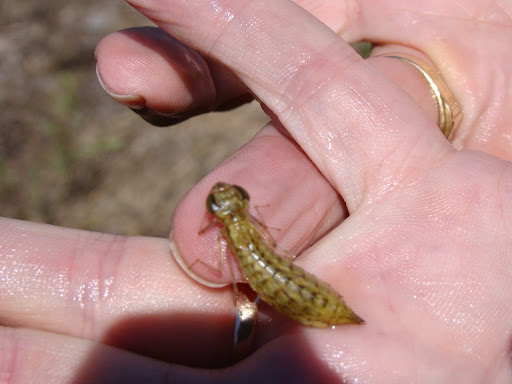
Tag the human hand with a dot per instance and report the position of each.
(423, 257)
(425, 247)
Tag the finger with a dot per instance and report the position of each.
(126, 292)
(155, 75)
(163, 80)
(296, 202)
(132, 69)
(337, 108)
(30, 356)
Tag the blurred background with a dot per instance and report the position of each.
(70, 155)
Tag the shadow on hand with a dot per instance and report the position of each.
(201, 341)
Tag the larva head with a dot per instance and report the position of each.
(226, 199)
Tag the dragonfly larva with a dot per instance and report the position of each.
(282, 284)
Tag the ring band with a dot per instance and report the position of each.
(245, 325)
(449, 111)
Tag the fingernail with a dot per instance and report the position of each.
(132, 101)
(176, 255)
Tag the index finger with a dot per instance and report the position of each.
(357, 127)
(122, 291)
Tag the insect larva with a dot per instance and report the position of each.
(282, 284)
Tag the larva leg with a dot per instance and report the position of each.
(209, 225)
(221, 251)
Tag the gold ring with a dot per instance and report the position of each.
(449, 111)
(245, 326)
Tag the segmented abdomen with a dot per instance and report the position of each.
(286, 286)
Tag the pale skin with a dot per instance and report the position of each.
(425, 256)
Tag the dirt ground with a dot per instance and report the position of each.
(70, 155)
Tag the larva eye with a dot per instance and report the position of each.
(211, 204)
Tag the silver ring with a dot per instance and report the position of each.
(245, 326)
